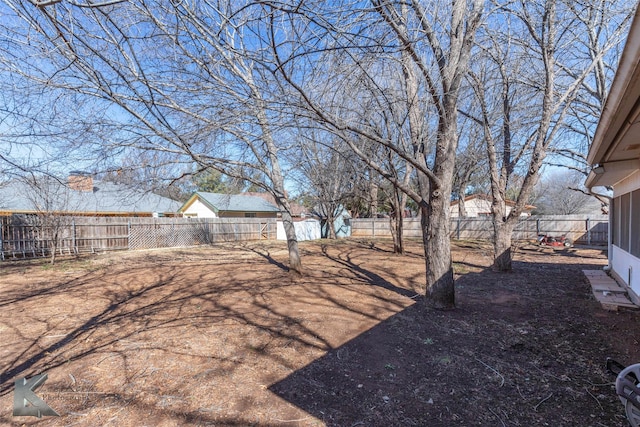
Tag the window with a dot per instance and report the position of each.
(635, 225)
(615, 221)
(249, 214)
(625, 208)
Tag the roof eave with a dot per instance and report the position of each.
(195, 196)
(611, 173)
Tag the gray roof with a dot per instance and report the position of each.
(236, 202)
(106, 197)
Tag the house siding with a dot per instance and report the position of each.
(626, 267)
(199, 210)
(479, 207)
(614, 155)
(625, 249)
(230, 214)
(474, 208)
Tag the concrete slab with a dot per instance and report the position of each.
(608, 287)
(607, 291)
(595, 273)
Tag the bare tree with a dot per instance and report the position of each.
(605, 24)
(33, 137)
(52, 203)
(471, 164)
(383, 116)
(187, 80)
(329, 169)
(563, 193)
(148, 172)
(431, 42)
(535, 66)
(398, 169)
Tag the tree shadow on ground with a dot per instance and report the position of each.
(167, 302)
(346, 259)
(264, 253)
(203, 339)
(561, 251)
(521, 349)
(214, 320)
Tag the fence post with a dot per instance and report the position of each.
(537, 227)
(129, 234)
(458, 229)
(373, 227)
(1, 238)
(588, 231)
(73, 235)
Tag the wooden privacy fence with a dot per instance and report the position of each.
(33, 236)
(582, 229)
(36, 236)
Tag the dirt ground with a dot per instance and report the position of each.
(225, 336)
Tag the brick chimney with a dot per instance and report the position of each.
(80, 181)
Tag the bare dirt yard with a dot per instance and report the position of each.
(226, 336)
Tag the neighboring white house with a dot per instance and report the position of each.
(478, 205)
(216, 205)
(615, 156)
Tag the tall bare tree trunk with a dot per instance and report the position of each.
(277, 179)
(434, 209)
(54, 247)
(502, 246)
(331, 221)
(373, 198)
(440, 293)
(441, 290)
(502, 229)
(295, 263)
(438, 50)
(401, 198)
(397, 222)
(462, 207)
(398, 245)
(435, 214)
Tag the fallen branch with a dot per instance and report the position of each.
(535, 408)
(494, 370)
(594, 398)
(498, 417)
